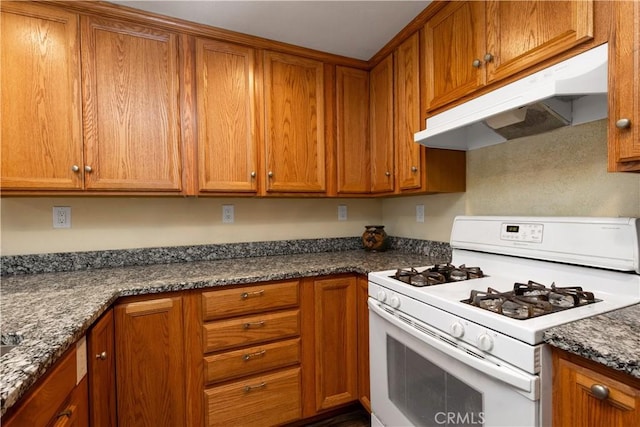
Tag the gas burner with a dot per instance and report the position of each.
(437, 275)
(531, 299)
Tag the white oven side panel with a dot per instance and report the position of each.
(402, 361)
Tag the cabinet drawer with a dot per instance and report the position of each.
(249, 299)
(263, 400)
(223, 334)
(251, 360)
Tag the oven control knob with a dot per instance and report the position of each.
(382, 296)
(457, 330)
(485, 342)
(394, 301)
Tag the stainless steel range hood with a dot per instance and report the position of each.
(568, 93)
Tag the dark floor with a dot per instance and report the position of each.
(355, 418)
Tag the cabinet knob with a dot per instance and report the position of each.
(387, 173)
(75, 168)
(102, 356)
(600, 391)
(414, 169)
(623, 123)
(476, 63)
(88, 169)
(253, 174)
(488, 57)
(270, 174)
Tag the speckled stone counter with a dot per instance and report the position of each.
(48, 312)
(612, 339)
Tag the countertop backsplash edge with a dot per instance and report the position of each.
(11, 265)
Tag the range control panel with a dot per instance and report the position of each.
(531, 233)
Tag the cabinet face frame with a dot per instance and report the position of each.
(132, 139)
(227, 111)
(41, 130)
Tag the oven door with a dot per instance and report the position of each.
(423, 377)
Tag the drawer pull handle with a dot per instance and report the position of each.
(250, 356)
(246, 295)
(66, 413)
(600, 391)
(250, 325)
(102, 356)
(249, 388)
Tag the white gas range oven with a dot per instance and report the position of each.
(461, 344)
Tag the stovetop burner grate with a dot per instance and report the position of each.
(437, 275)
(531, 299)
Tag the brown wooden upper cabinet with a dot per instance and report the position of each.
(227, 113)
(624, 88)
(41, 121)
(469, 44)
(294, 124)
(409, 155)
(381, 126)
(130, 102)
(352, 134)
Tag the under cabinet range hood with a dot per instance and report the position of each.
(569, 93)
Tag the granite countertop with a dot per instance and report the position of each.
(47, 313)
(612, 339)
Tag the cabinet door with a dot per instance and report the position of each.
(352, 110)
(227, 111)
(294, 120)
(102, 372)
(454, 39)
(523, 33)
(624, 88)
(364, 387)
(131, 116)
(150, 363)
(41, 106)
(576, 404)
(335, 341)
(409, 155)
(381, 126)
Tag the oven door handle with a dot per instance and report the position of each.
(520, 380)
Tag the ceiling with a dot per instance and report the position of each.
(356, 29)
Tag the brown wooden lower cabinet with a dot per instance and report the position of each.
(150, 368)
(102, 372)
(329, 343)
(58, 399)
(586, 394)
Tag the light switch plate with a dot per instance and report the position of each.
(342, 212)
(228, 214)
(419, 213)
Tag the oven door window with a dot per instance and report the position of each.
(427, 394)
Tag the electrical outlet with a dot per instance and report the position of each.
(227, 214)
(419, 213)
(342, 212)
(61, 217)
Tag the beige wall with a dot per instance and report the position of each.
(562, 173)
(118, 223)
